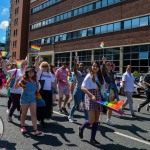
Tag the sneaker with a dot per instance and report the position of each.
(70, 118)
(7, 111)
(60, 111)
(9, 119)
(80, 132)
(101, 119)
(64, 111)
(94, 142)
(134, 116)
(109, 122)
(148, 106)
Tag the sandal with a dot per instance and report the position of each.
(37, 133)
(23, 129)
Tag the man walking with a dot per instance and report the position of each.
(128, 82)
(63, 86)
(147, 91)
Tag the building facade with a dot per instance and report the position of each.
(63, 27)
(2, 46)
(18, 28)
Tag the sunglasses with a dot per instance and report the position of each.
(44, 66)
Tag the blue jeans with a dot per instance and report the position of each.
(78, 97)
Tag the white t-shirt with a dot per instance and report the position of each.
(48, 77)
(129, 82)
(18, 74)
(88, 83)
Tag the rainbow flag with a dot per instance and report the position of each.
(115, 106)
(18, 62)
(35, 49)
(39, 101)
(5, 54)
(102, 44)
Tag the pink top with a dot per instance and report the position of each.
(62, 74)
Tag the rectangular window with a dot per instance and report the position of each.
(75, 35)
(43, 23)
(143, 55)
(80, 11)
(48, 40)
(110, 2)
(117, 26)
(42, 41)
(104, 3)
(127, 24)
(97, 30)
(90, 7)
(69, 14)
(98, 5)
(135, 23)
(76, 12)
(84, 33)
(64, 37)
(90, 31)
(85, 9)
(65, 15)
(103, 29)
(144, 21)
(56, 38)
(61, 17)
(110, 27)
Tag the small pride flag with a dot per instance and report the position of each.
(115, 106)
(39, 101)
(18, 62)
(35, 49)
(102, 44)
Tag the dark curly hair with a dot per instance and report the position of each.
(26, 77)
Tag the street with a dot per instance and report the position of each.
(129, 133)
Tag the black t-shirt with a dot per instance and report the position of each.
(147, 79)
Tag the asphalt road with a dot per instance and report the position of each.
(128, 133)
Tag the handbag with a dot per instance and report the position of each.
(42, 82)
(12, 79)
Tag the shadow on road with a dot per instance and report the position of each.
(133, 129)
(7, 145)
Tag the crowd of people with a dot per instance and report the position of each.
(84, 88)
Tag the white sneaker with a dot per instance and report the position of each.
(7, 111)
(101, 118)
(109, 122)
(70, 118)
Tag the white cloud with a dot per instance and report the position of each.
(4, 24)
(3, 38)
(4, 11)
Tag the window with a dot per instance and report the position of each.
(90, 7)
(117, 26)
(98, 5)
(85, 9)
(110, 2)
(143, 55)
(90, 31)
(15, 43)
(84, 33)
(104, 29)
(80, 10)
(127, 24)
(76, 12)
(16, 10)
(43, 23)
(104, 3)
(110, 27)
(15, 32)
(75, 35)
(65, 16)
(17, 1)
(135, 22)
(16, 22)
(97, 30)
(69, 14)
(144, 21)
(56, 38)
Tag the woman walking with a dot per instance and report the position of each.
(91, 87)
(44, 74)
(28, 98)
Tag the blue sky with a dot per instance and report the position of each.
(4, 16)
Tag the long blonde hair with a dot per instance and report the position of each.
(45, 63)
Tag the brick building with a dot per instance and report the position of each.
(62, 27)
(18, 28)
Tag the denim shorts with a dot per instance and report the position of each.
(27, 101)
